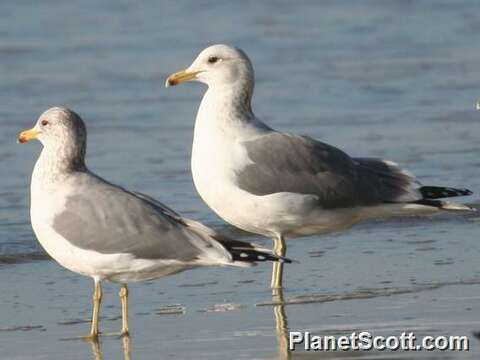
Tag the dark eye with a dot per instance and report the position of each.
(44, 123)
(213, 59)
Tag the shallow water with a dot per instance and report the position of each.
(396, 79)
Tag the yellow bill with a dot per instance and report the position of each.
(27, 135)
(180, 77)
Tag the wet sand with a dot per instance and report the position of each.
(226, 313)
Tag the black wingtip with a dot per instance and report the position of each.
(284, 260)
(254, 255)
(439, 192)
(250, 252)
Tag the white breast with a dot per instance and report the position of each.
(216, 156)
(45, 205)
(213, 159)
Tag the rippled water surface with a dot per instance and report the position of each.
(394, 79)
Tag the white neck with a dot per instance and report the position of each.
(225, 105)
(55, 164)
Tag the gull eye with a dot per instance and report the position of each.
(44, 122)
(213, 59)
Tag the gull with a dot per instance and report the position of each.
(283, 185)
(106, 232)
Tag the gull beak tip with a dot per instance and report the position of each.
(170, 82)
(21, 139)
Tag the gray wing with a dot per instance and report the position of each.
(299, 164)
(108, 219)
(159, 206)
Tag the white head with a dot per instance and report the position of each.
(218, 66)
(62, 133)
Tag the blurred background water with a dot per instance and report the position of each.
(393, 79)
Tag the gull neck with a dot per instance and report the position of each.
(56, 162)
(227, 104)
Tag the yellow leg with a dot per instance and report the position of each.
(97, 300)
(124, 300)
(94, 330)
(280, 249)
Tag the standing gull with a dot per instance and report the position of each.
(97, 229)
(282, 185)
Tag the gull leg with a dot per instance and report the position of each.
(280, 249)
(97, 300)
(124, 300)
(94, 332)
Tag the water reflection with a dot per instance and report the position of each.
(126, 348)
(281, 324)
(98, 353)
(96, 350)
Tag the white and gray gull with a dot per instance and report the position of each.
(283, 185)
(101, 230)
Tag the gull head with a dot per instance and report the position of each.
(216, 66)
(57, 127)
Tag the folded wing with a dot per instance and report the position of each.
(288, 163)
